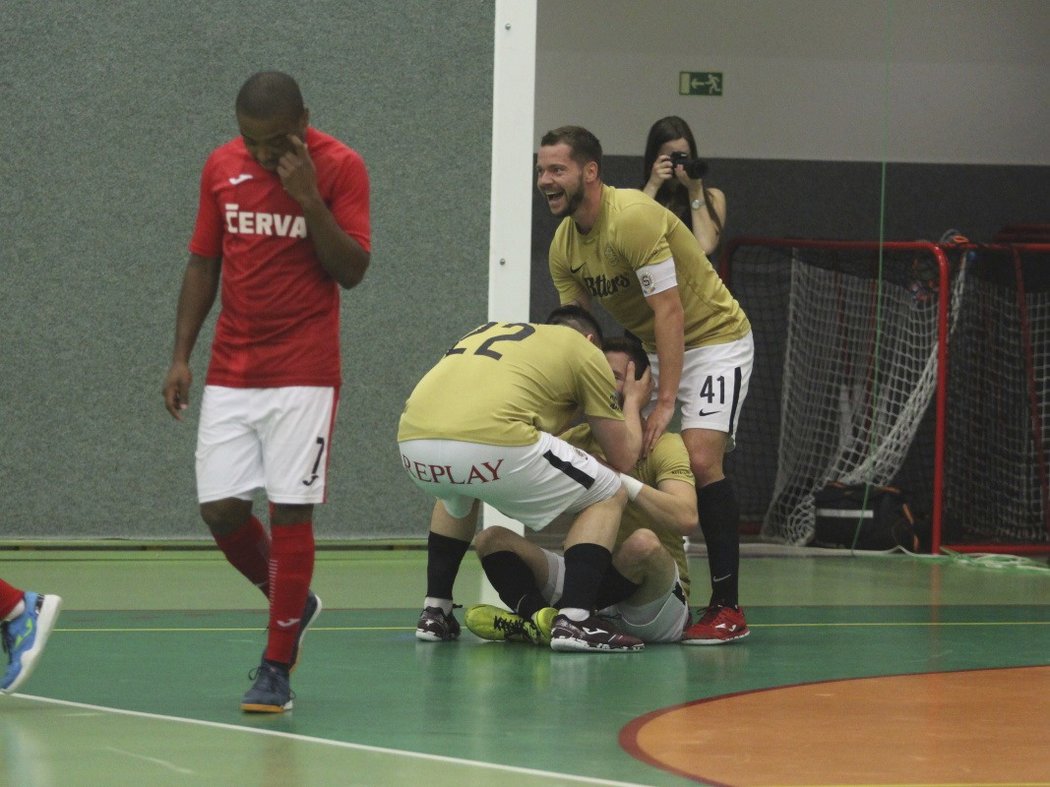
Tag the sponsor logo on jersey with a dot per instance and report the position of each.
(244, 222)
(602, 286)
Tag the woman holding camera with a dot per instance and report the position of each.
(674, 177)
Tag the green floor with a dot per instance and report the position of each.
(166, 637)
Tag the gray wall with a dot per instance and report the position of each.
(110, 109)
(109, 112)
(925, 81)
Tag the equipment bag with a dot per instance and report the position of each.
(885, 522)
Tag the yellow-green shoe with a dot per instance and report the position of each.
(543, 620)
(493, 623)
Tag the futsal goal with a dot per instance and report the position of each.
(919, 365)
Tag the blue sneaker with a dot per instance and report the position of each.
(271, 692)
(25, 636)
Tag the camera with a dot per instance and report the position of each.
(694, 168)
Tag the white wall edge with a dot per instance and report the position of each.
(510, 206)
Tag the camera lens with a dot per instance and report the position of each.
(696, 168)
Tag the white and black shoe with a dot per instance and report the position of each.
(435, 625)
(592, 634)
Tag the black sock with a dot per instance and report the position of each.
(514, 582)
(585, 565)
(444, 555)
(719, 513)
(614, 588)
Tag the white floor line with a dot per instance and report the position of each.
(328, 742)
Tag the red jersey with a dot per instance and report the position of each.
(279, 322)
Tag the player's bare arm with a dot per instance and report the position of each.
(621, 441)
(342, 256)
(636, 395)
(669, 328)
(200, 284)
(671, 503)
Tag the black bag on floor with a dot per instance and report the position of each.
(886, 520)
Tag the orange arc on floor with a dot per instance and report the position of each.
(988, 726)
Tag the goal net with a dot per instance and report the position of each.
(848, 346)
(996, 479)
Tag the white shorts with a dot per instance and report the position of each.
(530, 483)
(277, 439)
(713, 386)
(662, 620)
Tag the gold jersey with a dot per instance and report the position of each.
(669, 459)
(504, 383)
(631, 232)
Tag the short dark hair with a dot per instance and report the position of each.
(270, 94)
(584, 145)
(575, 316)
(632, 348)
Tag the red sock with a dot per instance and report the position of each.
(248, 550)
(291, 569)
(9, 598)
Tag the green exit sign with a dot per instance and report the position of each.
(700, 83)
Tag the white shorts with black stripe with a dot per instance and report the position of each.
(530, 483)
(713, 386)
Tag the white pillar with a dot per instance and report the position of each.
(510, 208)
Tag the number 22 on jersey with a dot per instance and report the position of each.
(508, 332)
